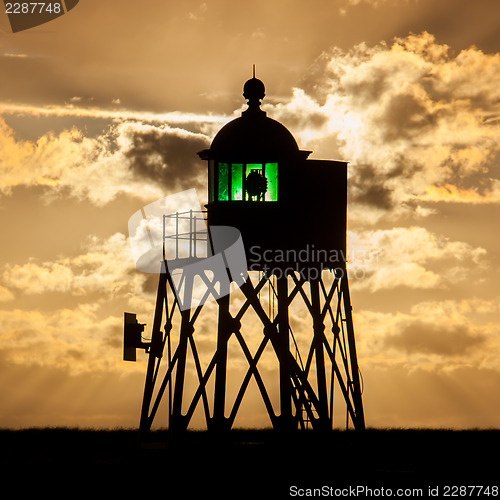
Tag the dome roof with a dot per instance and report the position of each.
(253, 136)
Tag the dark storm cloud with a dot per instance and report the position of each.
(367, 187)
(372, 186)
(150, 283)
(166, 158)
(428, 338)
(405, 117)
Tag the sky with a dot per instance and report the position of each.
(103, 110)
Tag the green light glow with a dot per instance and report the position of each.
(236, 181)
(272, 181)
(223, 184)
(229, 181)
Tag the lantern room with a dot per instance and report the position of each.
(260, 182)
(243, 182)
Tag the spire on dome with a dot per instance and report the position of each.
(254, 90)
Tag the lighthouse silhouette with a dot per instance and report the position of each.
(288, 320)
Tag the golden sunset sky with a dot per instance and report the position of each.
(103, 111)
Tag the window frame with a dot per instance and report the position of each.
(214, 170)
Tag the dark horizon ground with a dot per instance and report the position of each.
(250, 463)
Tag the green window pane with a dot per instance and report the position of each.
(236, 181)
(272, 181)
(223, 182)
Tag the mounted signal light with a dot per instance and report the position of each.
(132, 337)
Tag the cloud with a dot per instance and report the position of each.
(198, 14)
(167, 158)
(5, 294)
(429, 338)
(411, 117)
(171, 118)
(404, 257)
(77, 340)
(142, 160)
(439, 336)
(39, 278)
(457, 311)
(15, 55)
(448, 193)
(86, 334)
(106, 267)
(375, 3)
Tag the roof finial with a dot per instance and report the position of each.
(254, 91)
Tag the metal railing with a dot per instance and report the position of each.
(185, 235)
